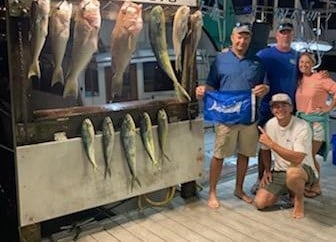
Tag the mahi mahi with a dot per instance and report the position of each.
(180, 29)
(85, 43)
(124, 37)
(40, 17)
(146, 131)
(59, 34)
(108, 143)
(162, 119)
(88, 138)
(128, 141)
(158, 41)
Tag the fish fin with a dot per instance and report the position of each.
(34, 70)
(71, 88)
(116, 84)
(166, 156)
(57, 76)
(137, 181)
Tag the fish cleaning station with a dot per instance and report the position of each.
(99, 120)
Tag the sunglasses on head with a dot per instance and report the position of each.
(245, 25)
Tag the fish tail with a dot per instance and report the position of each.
(134, 179)
(178, 65)
(181, 93)
(71, 88)
(57, 76)
(116, 84)
(108, 171)
(34, 70)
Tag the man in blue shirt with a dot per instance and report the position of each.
(232, 70)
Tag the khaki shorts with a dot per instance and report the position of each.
(233, 139)
(318, 131)
(278, 184)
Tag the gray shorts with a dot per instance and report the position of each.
(278, 184)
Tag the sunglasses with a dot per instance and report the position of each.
(285, 26)
(244, 25)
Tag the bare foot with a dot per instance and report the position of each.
(243, 196)
(298, 210)
(213, 201)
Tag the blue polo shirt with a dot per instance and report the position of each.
(282, 75)
(228, 72)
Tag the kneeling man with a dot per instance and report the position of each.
(288, 139)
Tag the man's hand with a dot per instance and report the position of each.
(266, 179)
(200, 92)
(264, 138)
(260, 90)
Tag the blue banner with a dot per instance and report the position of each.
(230, 107)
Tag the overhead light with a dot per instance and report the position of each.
(320, 46)
(299, 46)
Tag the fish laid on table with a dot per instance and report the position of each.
(59, 34)
(128, 140)
(85, 43)
(146, 131)
(88, 138)
(189, 61)
(180, 29)
(124, 37)
(39, 30)
(108, 143)
(162, 119)
(158, 41)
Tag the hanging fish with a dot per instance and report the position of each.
(39, 29)
(180, 29)
(88, 138)
(59, 34)
(108, 143)
(85, 43)
(158, 40)
(146, 131)
(128, 141)
(124, 37)
(162, 119)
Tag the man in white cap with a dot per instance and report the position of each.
(288, 139)
(233, 71)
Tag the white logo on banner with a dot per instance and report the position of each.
(226, 109)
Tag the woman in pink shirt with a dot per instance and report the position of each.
(311, 103)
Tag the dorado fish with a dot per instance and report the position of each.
(180, 29)
(146, 131)
(40, 17)
(59, 33)
(124, 37)
(158, 40)
(128, 141)
(88, 137)
(85, 43)
(189, 60)
(108, 143)
(162, 119)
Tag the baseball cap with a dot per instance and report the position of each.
(280, 98)
(242, 28)
(285, 25)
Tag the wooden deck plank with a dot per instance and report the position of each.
(103, 236)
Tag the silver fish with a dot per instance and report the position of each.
(180, 29)
(108, 143)
(40, 17)
(158, 41)
(128, 140)
(88, 138)
(162, 119)
(59, 34)
(87, 26)
(146, 131)
(124, 37)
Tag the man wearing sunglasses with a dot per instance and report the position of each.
(233, 71)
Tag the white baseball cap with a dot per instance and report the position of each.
(280, 98)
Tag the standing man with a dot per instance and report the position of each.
(280, 62)
(232, 70)
(288, 138)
